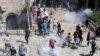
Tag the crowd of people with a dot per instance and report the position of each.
(41, 17)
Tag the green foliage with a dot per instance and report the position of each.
(96, 16)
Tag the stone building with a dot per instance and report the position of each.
(10, 10)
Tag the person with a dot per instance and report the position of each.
(76, 37)
(51, 16)
(13, 51)
(39, 23)
(80, 36)
(33, 12)
(78, 27)
(52, 43)
(59, 28)
(49, 25)
(7, 42)
(27, 34)
(46, 14)
(54, 23)
(63, 37)
(22, 50)
(42, 15)
(87, 23)
(45, 27)
(69, 39)
(93, 47)
(88, 38)
(38, 12)
(97, 32)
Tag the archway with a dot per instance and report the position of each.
(11, 22)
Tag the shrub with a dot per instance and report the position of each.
(96, 16)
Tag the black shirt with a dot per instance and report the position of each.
(13, 51)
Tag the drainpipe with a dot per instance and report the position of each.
(96, 4)
(28, 14)
(87, 1)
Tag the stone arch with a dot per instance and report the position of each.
(11, 21)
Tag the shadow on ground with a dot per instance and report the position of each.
(84, 55)
(20, 41)
(2, 50)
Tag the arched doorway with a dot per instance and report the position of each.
(11, 22)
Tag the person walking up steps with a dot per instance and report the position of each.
(45, 27)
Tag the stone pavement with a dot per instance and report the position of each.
(35, 42)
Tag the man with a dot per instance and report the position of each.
(39, 23)
(54, 23)
(7, 41)
(93, 47)
(80, 36)
(88, 38)
(78, 27)
(13, 51)
(46, 14)
(76, 37)
(49, 22)
(87, 23)
(59, 28)
(22, 50)
(27, 34)
(63, 37)
(33, 11)
(52, 43)
(45, 27)
(97, 32)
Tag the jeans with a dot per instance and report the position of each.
(26, 38)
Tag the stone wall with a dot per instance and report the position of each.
(10, 7)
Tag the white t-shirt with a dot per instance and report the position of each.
(42, 14)
(54, 22)
(46, 13)
(6, 40)
(41, 9)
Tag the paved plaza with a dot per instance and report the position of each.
(35, 41)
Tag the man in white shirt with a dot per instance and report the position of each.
(54, 23)
(46, 14)
(7, 42)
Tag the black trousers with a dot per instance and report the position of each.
(81, 39)
(92, 52)
(26, 38)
